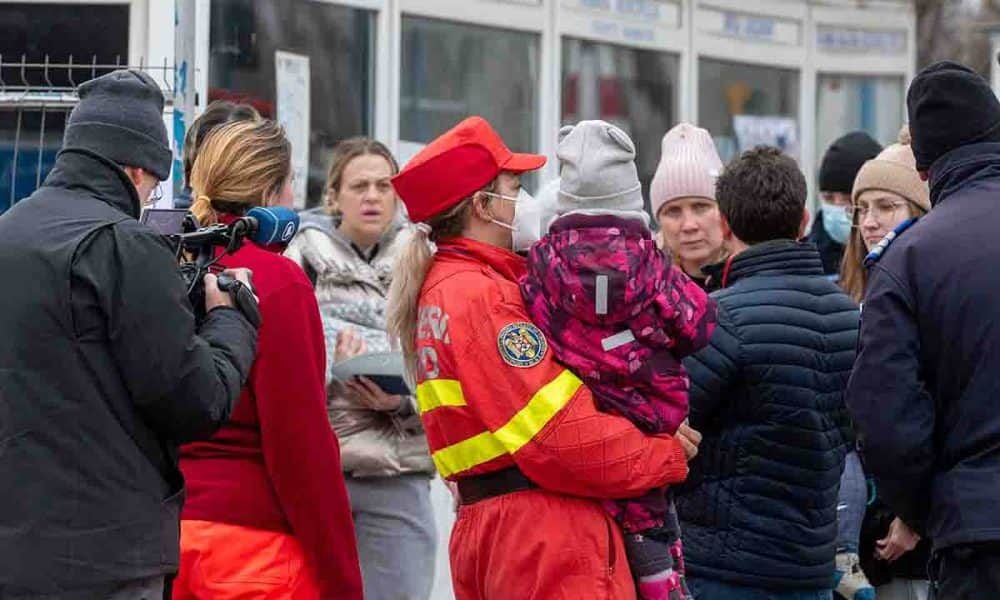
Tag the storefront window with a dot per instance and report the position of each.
(747, 105)
(870, 104)
(31, 131)
(634, 89)
(451, 71)
(333, 43)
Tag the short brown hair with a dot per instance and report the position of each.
(346, 151)
(762, 194)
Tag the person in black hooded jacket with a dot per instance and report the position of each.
(924, 391)
(832, 225)
(102, 370)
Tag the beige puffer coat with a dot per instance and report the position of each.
(351, 292)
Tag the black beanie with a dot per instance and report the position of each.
(844, 159)
(950, 106)
(120, 118)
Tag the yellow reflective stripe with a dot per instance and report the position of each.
(435, 393)
(537, 413)
(464, 455)
(514, 434)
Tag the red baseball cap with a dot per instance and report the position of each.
(454, 166)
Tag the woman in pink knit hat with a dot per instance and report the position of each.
(682, 197)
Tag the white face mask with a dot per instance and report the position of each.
(526, 227)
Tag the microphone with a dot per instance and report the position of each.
(272, 225)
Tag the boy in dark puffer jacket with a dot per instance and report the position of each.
(759, 509)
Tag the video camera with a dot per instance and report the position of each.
(198, 249)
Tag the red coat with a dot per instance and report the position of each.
(276, 464)
(492, 396)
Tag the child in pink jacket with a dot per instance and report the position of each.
(621, 316)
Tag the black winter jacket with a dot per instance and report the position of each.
(759, 506)
(925, 393)
(102, 375)
(830, 250)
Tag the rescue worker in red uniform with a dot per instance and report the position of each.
(517, 431)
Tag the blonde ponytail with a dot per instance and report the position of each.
(240, 165)
(409, 273)
(202, 210)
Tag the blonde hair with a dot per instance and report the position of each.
(239, 166)
(343, 153)
(410, 270)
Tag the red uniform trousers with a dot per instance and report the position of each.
(538, 545)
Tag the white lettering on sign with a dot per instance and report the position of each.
(836, 39)
(433, 323)
(654, 12)
(752, 27)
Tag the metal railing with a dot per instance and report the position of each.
(36, 97)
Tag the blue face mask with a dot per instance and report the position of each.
(836, 222)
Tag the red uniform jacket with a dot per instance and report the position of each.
(491, 394)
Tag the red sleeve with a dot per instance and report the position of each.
(300, 449)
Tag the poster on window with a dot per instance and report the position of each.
(292, 80)
(781, 132)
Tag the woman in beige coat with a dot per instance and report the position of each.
(347, 248)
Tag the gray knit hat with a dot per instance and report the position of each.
(598, 169)
(120, 118)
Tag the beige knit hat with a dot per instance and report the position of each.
(894, 170)
(689, 166)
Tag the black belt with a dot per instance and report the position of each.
(483, 487)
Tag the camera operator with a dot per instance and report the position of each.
(267, 514)
(103, 371)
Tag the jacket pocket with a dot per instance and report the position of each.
(611, 556)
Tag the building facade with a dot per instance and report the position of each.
(796, 73)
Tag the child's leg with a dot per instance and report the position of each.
(653, 567)
(668, 584)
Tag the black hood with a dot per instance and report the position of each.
(84, 171)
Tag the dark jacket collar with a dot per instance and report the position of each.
(961, 166)
(89, 173)
(778, 257)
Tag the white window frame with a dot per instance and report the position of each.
(138, 27)
(381, 59)
(879, 15)
(575, 22)
(528, 16)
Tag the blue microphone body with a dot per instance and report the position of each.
(274, 225)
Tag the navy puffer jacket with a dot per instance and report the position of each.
(760, 505)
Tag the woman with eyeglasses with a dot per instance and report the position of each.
(888, 196)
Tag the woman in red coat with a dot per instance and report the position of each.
(267, 514)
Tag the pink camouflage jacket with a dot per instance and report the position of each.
(619, 315)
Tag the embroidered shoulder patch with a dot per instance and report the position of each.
(522, 345)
